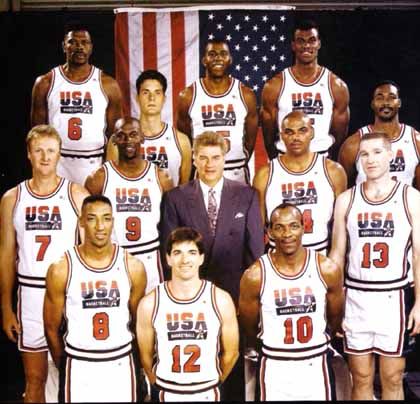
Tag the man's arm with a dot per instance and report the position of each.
(416, 183)
(165, 180)
(183, 120)
(229, 333)
(251, 120)
(113, 111)
(260, 184)
(8, 264)
(347, 157)
(146, 334)
(341, 113)
(94, 182)
(39, 105)
(249, 303)
(254, 229)
(269, 112)
(413, 202)
(333, 277)
(138, 279)
(54, 302)
(337, 176)
(186, 158)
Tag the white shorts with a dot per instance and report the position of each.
(99, 381)
(212, 394)
(375, 322)
(153, 267)
(77, 169)
(237, 174)
(291, 380)
(30, 317)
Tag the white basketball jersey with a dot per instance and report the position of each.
(136, 207)
(97, 311)
(164, 150)
(78, 112)
(406, 157)
(187, 339)
(293, 310)
(310, 190)
(315, 100)
(379, 239)
(46, 225)
(224, 114)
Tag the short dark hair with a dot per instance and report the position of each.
(95, 198)
(305, 25)
(181, 234)
(377, 135)
(286, 205)
(76, 26)
(151, 75)
(386, 83)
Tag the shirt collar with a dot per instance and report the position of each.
(217, 188)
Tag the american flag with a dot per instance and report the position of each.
(173, 41)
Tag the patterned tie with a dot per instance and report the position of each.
(212, 211)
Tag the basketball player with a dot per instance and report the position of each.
(287, 300)
(405, 140)
(303, 178)
(220, 103)
(308, 87)
(375, 223)
(95, 287)
(163, 144)
(135, 187)
(38, 220)
(189, 324)
(81, 102)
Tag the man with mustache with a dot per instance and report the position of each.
(218, 102)
(81, 102)
(405, 140)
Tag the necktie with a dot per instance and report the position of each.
(212, 211)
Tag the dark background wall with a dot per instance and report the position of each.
(360, 46)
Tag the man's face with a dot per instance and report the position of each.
(127, 138)
(185, 260)
(44, 153)
(375, 158)
(306, 45)
(386, 102)
(287, 230)
(97, 222)
(151, 97)
(217, 59)
(209, 162)
(297, 133)
(77, 46)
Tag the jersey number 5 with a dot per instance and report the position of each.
(74, 128)
(189, 366)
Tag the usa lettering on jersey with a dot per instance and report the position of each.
(294, 301)
(300, 192)
(132, 200)
(43, 218)
(375, 224)
(186, 326)
(99, 294)
(218, 115)
(76, 102)
(308, 103)
(155, 155)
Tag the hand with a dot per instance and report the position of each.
(251, 354)
(414, 320)
(11, 326)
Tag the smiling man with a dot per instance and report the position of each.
(308, 87)
(405, 140)
(219, 102)
(81, 102)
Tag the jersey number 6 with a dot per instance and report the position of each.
(74, 128)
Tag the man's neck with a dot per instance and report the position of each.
(151, 125)
(288, 264)
(44, 185)
(185, 289)
(306, 72)
(297, 162)
(391, 128)
(379, 188)
(97, 257)
(77, 72)
(133, 167)
(217, 85)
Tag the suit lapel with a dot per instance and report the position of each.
(227, 207)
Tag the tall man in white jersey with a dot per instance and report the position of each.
(81, 102)
(186, 328)
(304, 178)
(308, 87)
(405, 140)
(95, 287)
(288, 300)
(375, 224)
(135, 187)
(220, 103)
(38, 222)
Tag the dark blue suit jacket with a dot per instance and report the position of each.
(239, 238)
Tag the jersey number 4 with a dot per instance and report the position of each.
(74, 128)
(381, 261)
(193, 352)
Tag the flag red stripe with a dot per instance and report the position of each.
(122, 66)
(149, 41)
(178, 56)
